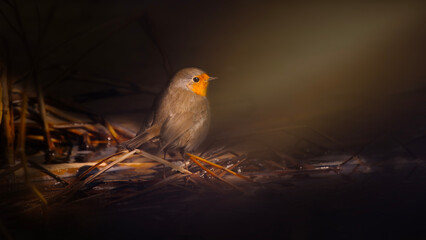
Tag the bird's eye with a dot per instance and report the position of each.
(195, 79)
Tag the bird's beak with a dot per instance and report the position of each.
(212, 78)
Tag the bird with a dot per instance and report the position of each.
(181, 119)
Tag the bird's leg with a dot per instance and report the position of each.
(167, 151)
(164, 154)
(182, 153)
(195, 159)
(164, 157)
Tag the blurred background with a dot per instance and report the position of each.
(352, 71)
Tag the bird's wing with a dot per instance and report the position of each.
(175, 126)
(147, 123)
(141, 138)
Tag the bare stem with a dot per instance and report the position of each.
(7, 118)
(21, 144)
(50, 147)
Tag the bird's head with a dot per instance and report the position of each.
(194, 79)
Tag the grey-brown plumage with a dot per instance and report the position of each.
(182, 118)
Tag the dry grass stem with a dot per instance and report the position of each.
(50, 147)
(160, 160)
(120, 159)
(213, 174)
(218, 166)
(8, 130)
(49, 173)
(11, 170)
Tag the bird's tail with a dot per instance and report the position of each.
(141, 138)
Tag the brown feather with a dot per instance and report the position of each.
(182, 118)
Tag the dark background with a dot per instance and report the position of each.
(351, 70)
(348, 69)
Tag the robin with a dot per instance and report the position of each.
(182, 119)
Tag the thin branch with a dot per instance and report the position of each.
(8, 3)
(354, 155)
(66, 72)
(49, 20)
(7, 122)
(21, 144)
(10, 24)
(112, 131)
(120, 159)
(78, 35)
(77, 185)
(23, 36)
(11, 170)
(47, 172)
(160, 160)
(50, 147)
(243, 159)
(39, 38)
(81, 176)
(115, 83)
(213, 174)
(218, 166)
(144, 22)
(38, 193)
